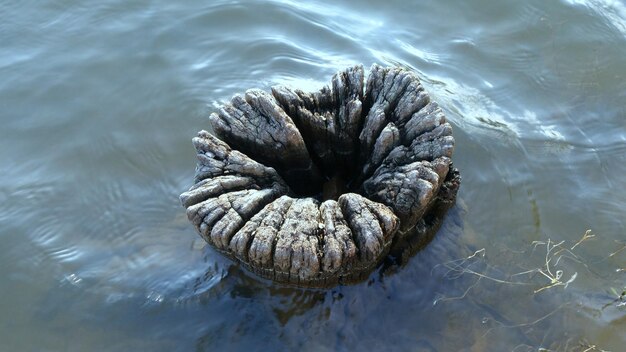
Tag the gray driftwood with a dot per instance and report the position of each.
(318, 188)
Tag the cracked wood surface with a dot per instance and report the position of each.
(315, 189)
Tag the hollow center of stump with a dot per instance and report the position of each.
(333, 188)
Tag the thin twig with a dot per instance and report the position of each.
(528, 323)
(617, 251)
(458, 297)
(585, 237)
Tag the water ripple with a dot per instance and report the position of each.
(613, 11)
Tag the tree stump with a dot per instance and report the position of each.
(316, 189)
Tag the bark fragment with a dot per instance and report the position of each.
(328, 119)
(262, 130)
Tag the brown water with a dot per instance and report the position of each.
(99, 102)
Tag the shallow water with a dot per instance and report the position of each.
(99, 102)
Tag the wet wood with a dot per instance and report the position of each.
(315, 189)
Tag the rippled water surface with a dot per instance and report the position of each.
(99, 101)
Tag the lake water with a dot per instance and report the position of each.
(99, 102)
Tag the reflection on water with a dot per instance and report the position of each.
(99, 104)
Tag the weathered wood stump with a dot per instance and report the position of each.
(315, 189)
